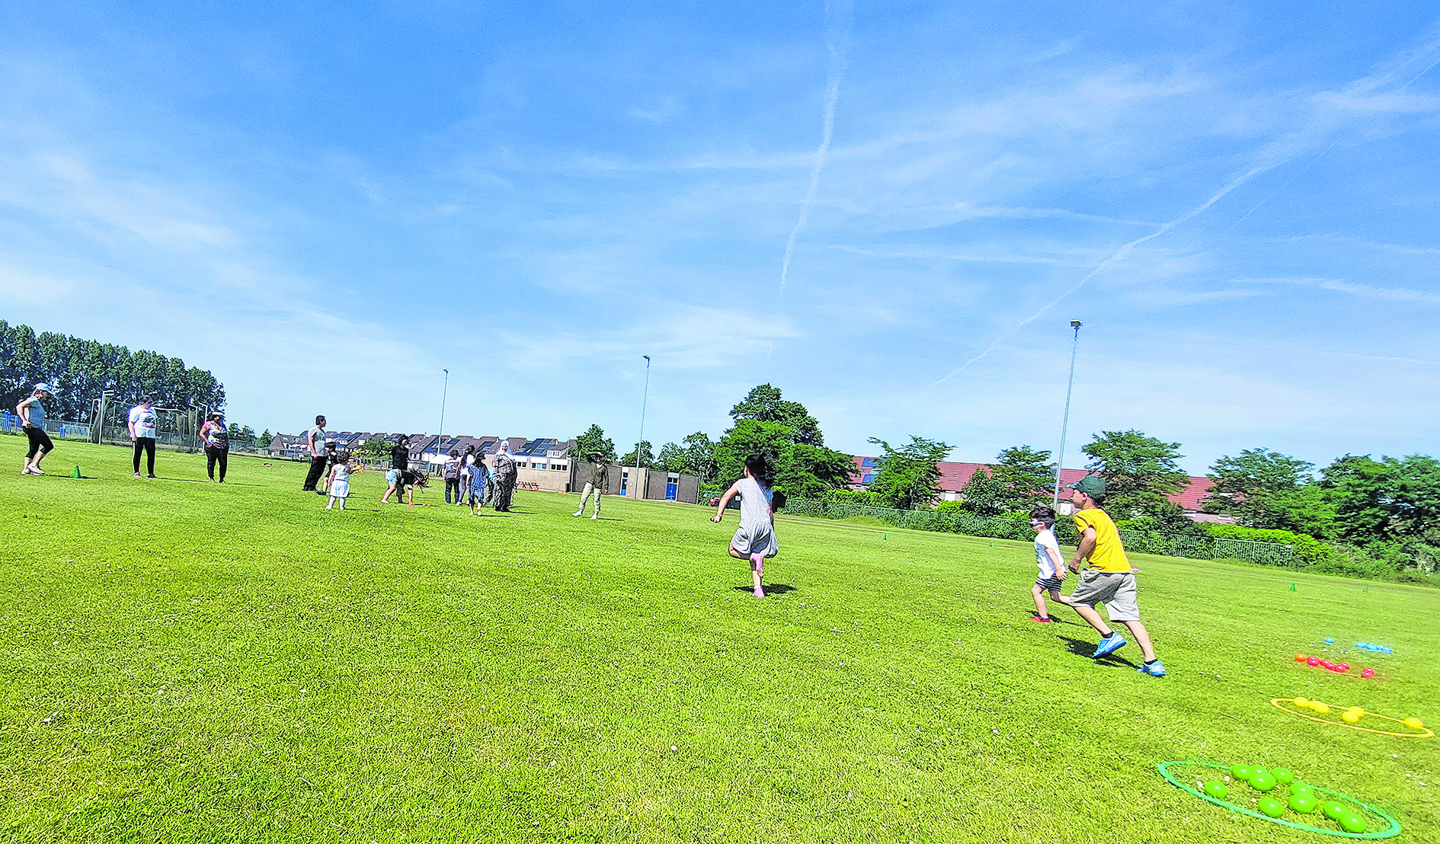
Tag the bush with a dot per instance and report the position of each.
(863, 497)
(1309, 550)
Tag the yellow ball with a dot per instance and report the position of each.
(1303, 703)
(1350, 717)
(1322, 708)
(1414, 723)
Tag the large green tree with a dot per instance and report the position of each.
(765, 404)
(1387, 499)
(700, 456)
(1026, 477)
(985, 495)
(907, 477)
(1140, 471)
(1258, 487)
(646, 456)
(799, 470)
(593, 445)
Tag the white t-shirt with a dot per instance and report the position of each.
(1046, 539)
(143, 418)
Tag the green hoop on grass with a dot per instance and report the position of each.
(1394, 830)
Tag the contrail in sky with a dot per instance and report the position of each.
(1273, 155)
(837, 40)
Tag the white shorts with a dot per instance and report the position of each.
(750, 539)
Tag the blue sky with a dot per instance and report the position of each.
(327, 204)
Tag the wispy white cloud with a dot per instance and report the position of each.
(838, 15)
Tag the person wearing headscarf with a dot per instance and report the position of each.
(505, 473)
(451, 475)
(32, 421)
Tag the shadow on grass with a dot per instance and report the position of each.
(770, 589)
(1085, 649)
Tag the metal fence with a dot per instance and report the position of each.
(1000, 527)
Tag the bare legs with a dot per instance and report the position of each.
(1142, 636)
(1038, 593)
(757, 567)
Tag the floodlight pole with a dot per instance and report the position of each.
(444, 392)
(1064, 425)
(644, 399)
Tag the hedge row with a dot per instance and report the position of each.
(950, 518)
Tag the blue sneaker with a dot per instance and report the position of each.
(1109, 645)
(1154, 669)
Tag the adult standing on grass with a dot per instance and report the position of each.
(142, 435)
(216, 437)
(1109, 580)
(399, 467)
(451, 474)
(32, 421)
(319, 460)
(598, 484)
(504, 478)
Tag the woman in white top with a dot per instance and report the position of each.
(142, 435)
(32, 420)
(755, 538)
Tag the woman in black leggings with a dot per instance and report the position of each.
(142, 434)
(217, 444)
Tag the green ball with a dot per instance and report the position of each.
(1352, 822)
(1272, 807)
(1300, 786)
(1217, 789)
(1262, 781)
(1303, 802)
(1240, 772)
(1333, 809)
(1283, 775)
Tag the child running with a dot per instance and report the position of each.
(1047, 557)
(755, 538)
(338, 481)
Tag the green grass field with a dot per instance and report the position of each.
(184, 661)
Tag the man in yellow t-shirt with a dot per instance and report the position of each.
(1109, 580)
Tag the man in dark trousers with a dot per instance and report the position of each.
(315, 445)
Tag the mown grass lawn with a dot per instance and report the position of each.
(190, 662)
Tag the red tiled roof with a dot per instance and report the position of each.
(954, 476)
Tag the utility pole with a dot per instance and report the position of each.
(1064, 425)
(645, 397)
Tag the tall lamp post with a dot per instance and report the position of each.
(1069, 388)
(444, 393)
(644, 398)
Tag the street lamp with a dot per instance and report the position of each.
(1060, 459)
(645, 397)
(444, 393)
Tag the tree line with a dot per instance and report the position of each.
(80, 369)
(1359, 513)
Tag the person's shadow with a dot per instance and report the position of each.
(1086, 649)
(770, 588)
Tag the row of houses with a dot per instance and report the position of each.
(954, 476)
(545, 464)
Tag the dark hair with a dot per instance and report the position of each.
(759, 468)
(320, 420)
(145, 399)
(215, 414)
(1043, 514)
(454, 453)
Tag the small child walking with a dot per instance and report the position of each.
(755, 539)
(477, 476)
(1047, 557)
(338, 481)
